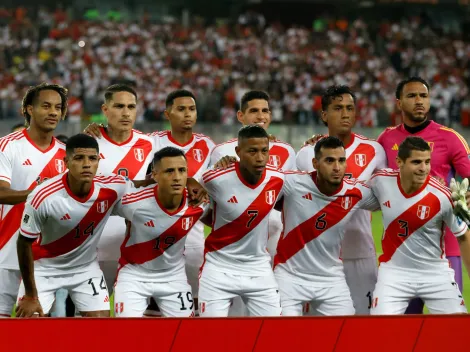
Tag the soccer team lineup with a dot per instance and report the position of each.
(168, 224)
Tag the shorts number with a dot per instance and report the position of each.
(320, 224)
(369, 295)
(189, 297)
(167, 242)
(102, 285)
(403, 226)
(123, 172)
(252, 214)
(88, 231)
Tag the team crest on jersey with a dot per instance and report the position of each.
(102, 206)
(360, 159)
(423, 211)
(139, 154)
(270, 197)
(198, 155)
(59, 165)
(274, 160)
(346, 203)
(187, 223)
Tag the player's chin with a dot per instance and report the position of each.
(86, 177)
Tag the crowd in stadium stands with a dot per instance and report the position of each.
(221, 62)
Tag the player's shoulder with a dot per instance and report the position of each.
(451, 135)
(370, 141)
(440, 189)
(60, 145)
(212, 174)
(294, 177)
(138, 195)
(275, 171)
(200, 136)
(229, 143)
(110, 180)
(391, 129)
(282, 144)
(11, 139)
(47, 190)
(381, 173)
(142, 135)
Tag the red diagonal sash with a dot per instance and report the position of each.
(359, 160)
(146, 251)
(12, 221)
(237, 229)
(135, 158)
(411, 220)
(77, 236)
(322, 221)
(196, 156)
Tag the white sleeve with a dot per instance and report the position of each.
(454, 223)
(31, 220)
(215, 157)
(6, 168)
(291, 160)
(369, 201)
(381, 156)
(304, 158)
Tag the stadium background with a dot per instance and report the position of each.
(220, 49)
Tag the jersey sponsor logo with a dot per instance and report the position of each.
(187, 223)
(26, 218)
(59, 165)
(346, 203)
(274, 160)
(423, 211)
(198, 155)
(270, 197)
(102, 207)
(139, 154)
(360, 159)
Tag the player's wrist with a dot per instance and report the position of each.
(29, 298)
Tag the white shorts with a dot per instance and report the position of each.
(217, 290)
(319, 300)
(274, 230)
(87, 290)
(361, 277)
(9, 285)
(174, 299)
(194, 257)
(439, 292)
(109, 245)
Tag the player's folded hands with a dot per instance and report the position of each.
(196, 193)
(461, 197)
(29, 307)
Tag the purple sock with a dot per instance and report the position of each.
(456, 264)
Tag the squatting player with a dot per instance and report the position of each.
(27, 158)
(364, 156)
(415, 210)
(450, 151)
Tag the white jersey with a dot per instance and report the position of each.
(129, 159)
(364, 157)
(23, 166)
(154, 244)
(314, 226)
(414, 224)
(281, 155)
(237, 243)
(68, 228)
(197, 151)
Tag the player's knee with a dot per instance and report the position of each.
(96, 314)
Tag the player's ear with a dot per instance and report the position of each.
(167, 114)
(29, 110)
(324, 117)
(240, 117)
(155, 174)
(237, 150)
(399, 162)
(104, 108)
(315, 163)
(66, 161)
(399, 104)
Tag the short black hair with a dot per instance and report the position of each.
(410, 144)
(403, 83)
(329, 142)
(116, 88)
(16, 126)
(33, 93)
(334, 91)
(252, 95)
(252, 131)
(180, 93)
(63, 138)
(167, 152)
(81, 140)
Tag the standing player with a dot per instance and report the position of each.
(64, 217)
(27, 158)
(236, 260)
(317, 210)
(450, 152)
(123, 151)
(416, 208)
(364, 156)
(152, 262)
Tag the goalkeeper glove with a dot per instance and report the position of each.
(459, 191)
